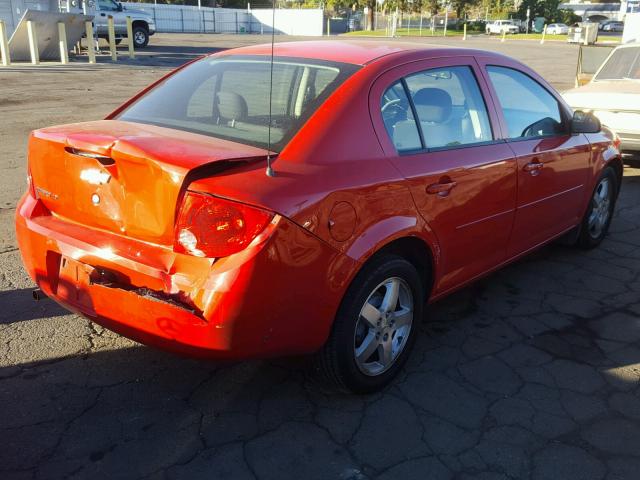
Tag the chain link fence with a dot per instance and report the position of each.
(394, 24)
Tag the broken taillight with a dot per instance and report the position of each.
(214, 227)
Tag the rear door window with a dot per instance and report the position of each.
(399, 120)
(450, 108)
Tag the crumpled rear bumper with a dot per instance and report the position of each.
(277, 297)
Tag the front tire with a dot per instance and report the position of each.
(596, 221)
(140, 36)
(375, 328)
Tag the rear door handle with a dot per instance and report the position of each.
(441, 189)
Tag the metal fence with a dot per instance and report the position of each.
(400, 23)
(188, 19)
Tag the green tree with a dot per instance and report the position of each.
(542, 8)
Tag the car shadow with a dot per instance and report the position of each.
(20, 306)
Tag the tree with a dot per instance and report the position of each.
(462, 6)
(539, 8)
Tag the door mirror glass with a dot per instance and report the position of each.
(584, 122)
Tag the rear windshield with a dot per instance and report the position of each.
(228, 97)
(623, 64)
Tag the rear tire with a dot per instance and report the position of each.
(596, 221)
(364, 354)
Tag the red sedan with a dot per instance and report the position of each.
(400, 174)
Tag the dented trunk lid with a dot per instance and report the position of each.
(122, 177)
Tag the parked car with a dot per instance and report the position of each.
(613, 95)
(399, 174)
(499, 26)
(143, 24)
(557, 29)
(612, 26)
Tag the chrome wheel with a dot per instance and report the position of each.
(601, 208)
(383, 326)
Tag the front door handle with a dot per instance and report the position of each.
(441, 189)
(534, 168)
(103, 14)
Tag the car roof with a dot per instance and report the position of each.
(357, 52)
(635, 44)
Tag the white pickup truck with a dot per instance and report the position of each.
(499, 26)
(143, 23)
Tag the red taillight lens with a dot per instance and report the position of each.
(214, 227)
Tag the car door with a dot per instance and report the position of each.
(106, 8)
(553, 163)
(443, 136)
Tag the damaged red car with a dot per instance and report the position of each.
(399, 174)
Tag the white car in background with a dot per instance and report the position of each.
(499, 26)
(557, 29)
(613, 95)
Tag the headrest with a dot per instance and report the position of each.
(232, 106)
(432, 105)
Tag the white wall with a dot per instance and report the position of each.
(184, 18)
(292, 22)
(631, 31)
(11, 11)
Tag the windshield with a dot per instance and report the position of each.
(624, 63)
(228, 98)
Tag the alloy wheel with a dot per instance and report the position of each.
(383, 326)
(601, 210)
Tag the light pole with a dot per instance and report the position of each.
(446, 17)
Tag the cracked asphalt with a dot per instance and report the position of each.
(532, 373)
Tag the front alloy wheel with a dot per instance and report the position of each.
(375, 327)
(596, 221)
(601, 208)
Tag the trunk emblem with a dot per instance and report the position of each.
(95, 199)
(95, 176)
(46, 193)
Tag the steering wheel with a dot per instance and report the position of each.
(391, 103)
(394, 111)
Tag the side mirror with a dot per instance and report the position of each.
(583, 122)
(120, 7)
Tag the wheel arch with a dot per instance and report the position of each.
(140, 23)
(416, 250)
(618, 168)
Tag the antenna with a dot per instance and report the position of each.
(270, 172)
